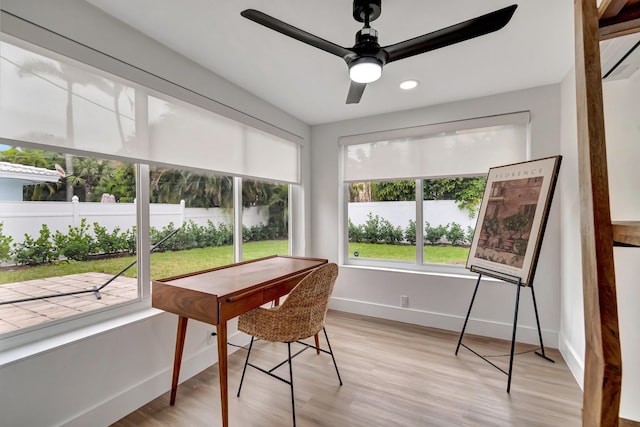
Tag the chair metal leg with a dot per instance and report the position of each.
(326, 337)
(293, 402)
(246, 362)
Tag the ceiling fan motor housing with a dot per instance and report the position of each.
(362, 8)
(367, 46)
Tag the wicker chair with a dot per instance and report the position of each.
(300, 316)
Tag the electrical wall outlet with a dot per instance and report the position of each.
(404, 301)
(211, 337)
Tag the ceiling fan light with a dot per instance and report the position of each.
(365, 70)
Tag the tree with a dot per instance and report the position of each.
(37, 158)
(393, 191)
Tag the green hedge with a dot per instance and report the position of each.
(379, 230)
(84, 241)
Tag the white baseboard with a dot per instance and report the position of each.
(524, 334)
(573, 360)
(120, 405)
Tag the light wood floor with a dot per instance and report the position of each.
(394, 374)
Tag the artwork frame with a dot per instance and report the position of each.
(512, 219)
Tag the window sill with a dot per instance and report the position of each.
(450, 272)
(35, 348)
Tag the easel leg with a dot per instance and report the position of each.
(466, 319)
(513, 337)
(535, 309)
(177, 359)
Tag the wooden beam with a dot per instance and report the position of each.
(626, 233)
(627, 21)
(603, 361)
(610, 8)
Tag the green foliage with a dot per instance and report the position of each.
(77, 244)
(393, 191)
(356, 232)
(466, 191)
(260, 232)
(433, 235)
(5, 245)
(375, 230)
(470, 233)
(410, 232)
(389, 234)
(36, 251)
(370, 228)
(455, 234)
(114, 242)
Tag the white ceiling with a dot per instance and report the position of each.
(534, 49)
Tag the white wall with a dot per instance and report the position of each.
(572, 340)
(436, 300)
(622, 125)
(102, 377)
(622, 128)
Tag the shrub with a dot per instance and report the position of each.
(389, 234)
(77, 244)
(5, 245)
(433, 235)
(36, 251)
(114, 242)
(469, 235)
(356, 232)
(371, 228)
(410, 232)
(455, 234)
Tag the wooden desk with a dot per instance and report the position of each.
(217, 295)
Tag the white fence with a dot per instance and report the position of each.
(435, 212)
(19, 218)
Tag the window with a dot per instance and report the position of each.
(265, 219)
(109, 178)
(444, 166)
(191, 216)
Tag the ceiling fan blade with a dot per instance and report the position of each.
(466, 30)
(296, 33)
(355, 92)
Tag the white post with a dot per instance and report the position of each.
(75, 208)
(183, 213)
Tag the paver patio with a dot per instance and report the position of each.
(20, 315)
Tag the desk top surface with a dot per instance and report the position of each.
(241, 277)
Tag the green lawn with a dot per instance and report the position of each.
(163, 264)
(432, 254)
(167, 264)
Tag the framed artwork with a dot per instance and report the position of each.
(512, 219)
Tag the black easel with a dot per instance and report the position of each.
(518, 282)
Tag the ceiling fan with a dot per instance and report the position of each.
(366, 58)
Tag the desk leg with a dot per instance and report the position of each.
(177, 360)
(222, 367)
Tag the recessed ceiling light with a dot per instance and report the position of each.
(408, 84)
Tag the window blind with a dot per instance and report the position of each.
(54, 101)
(468, 147)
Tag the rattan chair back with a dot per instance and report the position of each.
(300, 316)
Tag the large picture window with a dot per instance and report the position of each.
(411, 195)
(106, 185)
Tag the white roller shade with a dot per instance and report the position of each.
(468, 147)
(53, 101)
